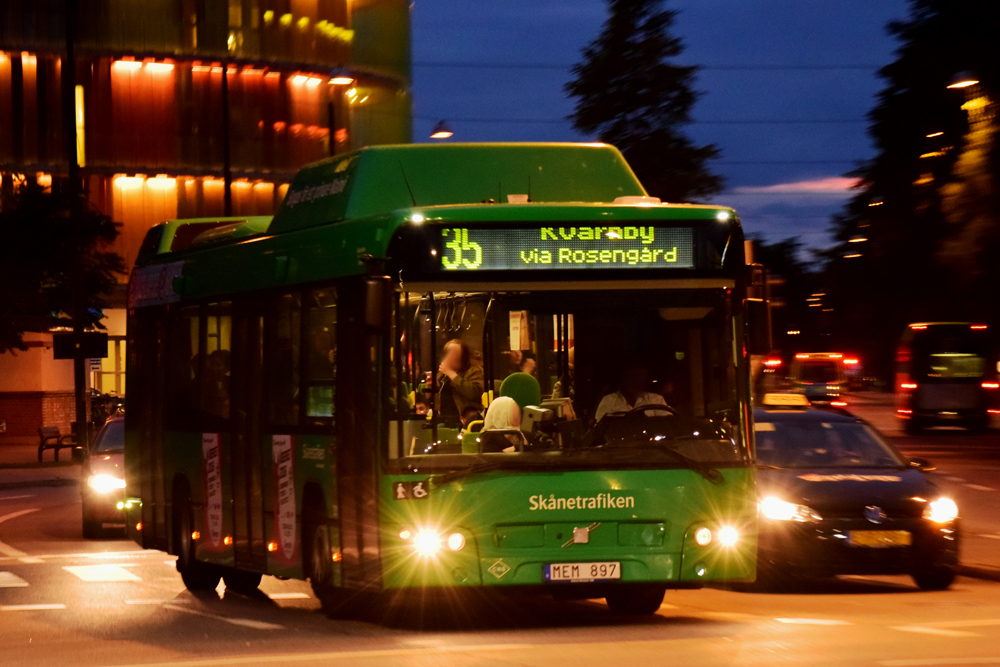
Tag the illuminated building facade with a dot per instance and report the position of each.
(159, 84)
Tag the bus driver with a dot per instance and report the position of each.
(633, 394)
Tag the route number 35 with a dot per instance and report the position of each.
(463, 252)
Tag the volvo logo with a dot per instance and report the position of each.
(875, 514)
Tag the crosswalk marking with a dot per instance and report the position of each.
(31, 607)
(11, 580)
(924, 630)
(101, 573)
(243, 622)
(288, 596)
(978, 487)
(812, 621)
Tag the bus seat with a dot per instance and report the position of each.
(523, 388)
(411, 398)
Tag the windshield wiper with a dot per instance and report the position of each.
(475, 469)
(709, 473)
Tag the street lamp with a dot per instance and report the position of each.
(963, 80)
(441, 131)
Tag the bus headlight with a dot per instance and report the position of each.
(728, 536)
(105, 484)
(456, 541)
(703, 536)
(777, 509)
(941, 510)
(427, 543)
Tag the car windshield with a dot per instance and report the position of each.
(817, 444)
(584, 365)
(111, 439)
(818, 371)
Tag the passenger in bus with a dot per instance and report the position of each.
(472, 413)
(215, 388)
(461, 383)
(502, 428)
(632, 394)
(563, 388)
(528, 363)
(322, 355)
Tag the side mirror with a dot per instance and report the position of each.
(378, 304)
(758, 310)
(79, 455)
(922, 464)
(759, 324)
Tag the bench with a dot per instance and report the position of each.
(49, 437)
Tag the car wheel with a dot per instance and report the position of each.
(913, 426)
(197, 576)
(636, 600)
(979, 424)
(936, 579)
(92, 528)
(241, 581)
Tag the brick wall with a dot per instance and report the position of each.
(25, 412)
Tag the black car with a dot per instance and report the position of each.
(835, 498)
(103, 475)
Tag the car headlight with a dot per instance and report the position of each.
(941, 510)
(105, 483)
(777, 509)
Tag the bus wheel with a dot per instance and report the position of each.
(197, 576)
(241, 581)
(320, 561)
(913, 427)
(637, 600)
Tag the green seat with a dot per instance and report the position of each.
(523, 388)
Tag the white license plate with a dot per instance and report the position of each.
(582, 571)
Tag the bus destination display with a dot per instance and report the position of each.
(567, 247)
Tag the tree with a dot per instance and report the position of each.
(918, 239)
(630, 95)
(791, 284)
(48, 257)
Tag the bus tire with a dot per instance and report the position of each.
(637, 600)
(318, 561)
(241, 581)
(197, 576)
(913, 426)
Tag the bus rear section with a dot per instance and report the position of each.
(821, 376)
(946, 375)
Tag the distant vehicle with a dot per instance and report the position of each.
(103, 487)
(946, 374)
(821, 376)
(835, 498)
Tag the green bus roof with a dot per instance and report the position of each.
(340, 210)
(379, 180)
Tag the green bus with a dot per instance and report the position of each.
(308, 392)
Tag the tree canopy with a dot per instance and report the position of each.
(919, 238)
(630, 94)
(55, 247)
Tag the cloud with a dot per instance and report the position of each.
(832, 185)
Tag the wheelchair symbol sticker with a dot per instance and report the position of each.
(411, 490)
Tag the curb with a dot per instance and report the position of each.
(978, 572)
(27, 484)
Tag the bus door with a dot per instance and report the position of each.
(249, 541)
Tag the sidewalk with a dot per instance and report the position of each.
(20, 468)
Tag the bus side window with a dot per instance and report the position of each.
(321, 351)
(215, 390)
(284, 357)
(183, 368)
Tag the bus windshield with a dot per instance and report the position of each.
(819, 372)
(602, 378)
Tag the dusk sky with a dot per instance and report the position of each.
(495, 71)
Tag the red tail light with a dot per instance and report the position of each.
(991, 385)
(839, 404)
(908, 385)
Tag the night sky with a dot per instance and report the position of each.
(764, 60)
